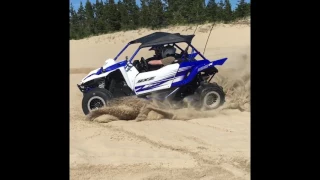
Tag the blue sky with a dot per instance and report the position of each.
(76, 3)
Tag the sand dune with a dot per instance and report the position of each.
(211, 145)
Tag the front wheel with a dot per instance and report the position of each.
(95, 99)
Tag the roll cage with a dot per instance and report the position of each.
(162, 38)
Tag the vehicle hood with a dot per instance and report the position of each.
(107, 63)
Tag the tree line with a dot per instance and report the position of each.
(107, 16)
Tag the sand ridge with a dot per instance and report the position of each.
(208, 145)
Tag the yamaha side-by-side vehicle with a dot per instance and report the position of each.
(186, 78)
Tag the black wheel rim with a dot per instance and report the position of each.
(95, 103)
(212, 98)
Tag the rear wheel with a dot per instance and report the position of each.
(95, 99)
(211, 96)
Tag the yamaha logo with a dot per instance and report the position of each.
(147, 79)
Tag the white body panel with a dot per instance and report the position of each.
(155, 80)
(129, 74)
(107, 63)
(140, 83)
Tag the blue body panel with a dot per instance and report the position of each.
(194, 70)
(191, 67)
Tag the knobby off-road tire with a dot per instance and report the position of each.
(211, 96)
(95, 98)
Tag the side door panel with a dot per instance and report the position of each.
(155, 80)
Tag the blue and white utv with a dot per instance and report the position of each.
(184, 79)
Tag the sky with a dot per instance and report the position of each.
(76, 3)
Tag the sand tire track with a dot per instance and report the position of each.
(198, 158)
(214, 127)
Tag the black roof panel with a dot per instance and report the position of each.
(159, 38)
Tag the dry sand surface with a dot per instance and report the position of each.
(213, 145)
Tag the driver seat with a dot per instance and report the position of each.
(137, 65)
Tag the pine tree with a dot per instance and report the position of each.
(211, 11)
(132, 13)
(220, 11)
(195, 11)
(89, 22)
(242, 10)
(73, 22)
(174, 11)
(156, 14)
(228, 14)
(129, 12)
(81, 18)
(248, 9)
(112, 16)
(107, 16)
(124, 19)
(144, 17)
(187, 11)
(99, 21)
